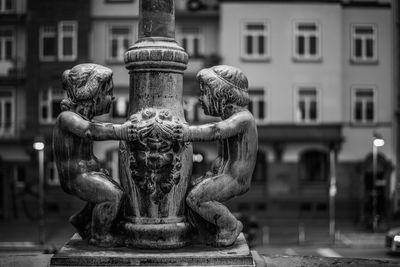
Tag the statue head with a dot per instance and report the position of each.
(89, 89)
(221, 86)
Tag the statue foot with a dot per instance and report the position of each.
(106, 241)
(227, 238)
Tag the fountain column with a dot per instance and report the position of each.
(155, 172)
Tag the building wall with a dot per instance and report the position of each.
(358, 140)
(107, 9)
(334, 74)
(281, 73)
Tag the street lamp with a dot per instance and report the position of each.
(378, 141)
(39, 147)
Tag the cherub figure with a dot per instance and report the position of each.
(89, 90)
(224, 93)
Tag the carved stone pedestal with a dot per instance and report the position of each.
(78, 253)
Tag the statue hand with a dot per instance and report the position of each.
(178, 132)
(132, 132)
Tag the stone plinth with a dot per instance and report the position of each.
(78, 253)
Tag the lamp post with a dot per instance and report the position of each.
(39, 147)
(378, 141)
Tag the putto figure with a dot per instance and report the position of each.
(223, 93)
(89, 90)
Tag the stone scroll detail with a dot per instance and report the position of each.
(155, 161)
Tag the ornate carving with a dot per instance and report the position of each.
(155, 162)
(223, 93)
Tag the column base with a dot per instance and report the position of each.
(156, 236)
(77, 252)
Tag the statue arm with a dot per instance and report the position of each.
(79, 126)
(232, 126)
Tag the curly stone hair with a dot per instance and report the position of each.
(229, 84)
(83, 83)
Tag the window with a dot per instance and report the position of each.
(307, 44)
(59, 42)
(255, 41)
(49, 104)
(314, 166)
(258, 104)
(191, 39)
(7, 115)
(7, 44)
(364, 105)
(307, 105)
(120, 108)
(363, 43)
(67, 40)
(7, 5)
(120, 38)
(48, 43)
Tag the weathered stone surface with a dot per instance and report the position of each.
(79, 253)
(224, 94)
(312, 261)
(155, 170)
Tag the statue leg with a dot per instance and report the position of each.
(205, 198)
(106, 196)
(82, 220)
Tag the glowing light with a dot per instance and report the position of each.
(198, 158)
(38, 145)
(379, 142)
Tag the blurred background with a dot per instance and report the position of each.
(324, 89)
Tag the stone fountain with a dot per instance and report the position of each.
(157, 215)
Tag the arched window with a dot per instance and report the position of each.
(314, 166)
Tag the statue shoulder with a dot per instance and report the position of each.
(68, 119)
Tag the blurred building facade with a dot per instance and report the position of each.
(321, 85)
(321, 79)
(13, 157)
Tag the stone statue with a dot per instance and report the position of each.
(223, 93)
(156, 205)
(89, 90)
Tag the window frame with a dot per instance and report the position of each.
(3, 41)
(109, 42)
(318, 97)
(47, 34)
(59, 35)
(48, 104)
(267, 40)
(3, 7)
(180, 35)
(354, 91)
(255, 108)
(3, 100)
(307, 57)
(62, 34)
(353, 35)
